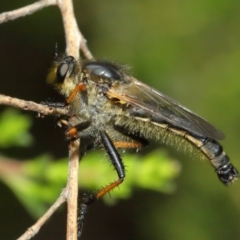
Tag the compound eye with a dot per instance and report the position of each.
(65, 68)
(62, 69)
(62, 72)
(102, 71)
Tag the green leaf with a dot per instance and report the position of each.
(13, 128)
(38, 182)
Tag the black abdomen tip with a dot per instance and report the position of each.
(227, 173)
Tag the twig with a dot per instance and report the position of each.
(85, 49)
(74, 41)
(22, 12)
(72, 34)
(72, 197)
(74, 38)
(31, 106)
(33, 230)
(69, 194)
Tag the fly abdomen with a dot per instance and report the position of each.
(226, 172)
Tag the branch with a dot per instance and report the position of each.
(33, 230)
(74, 38)
(24, 11)
(31, 106)
(69, 194)
(72, 197)
(74, 41)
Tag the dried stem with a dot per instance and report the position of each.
(69, 194)
(74, 38)
(24, 11)
(33, 230)
(31, 106)
(72, 198)
(74, 41)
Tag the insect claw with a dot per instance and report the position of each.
(62, 122)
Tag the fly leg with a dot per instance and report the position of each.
(72, 131)
(79, 88)
(137, 140)
(129, 145)
(54, 104)
(118, 166)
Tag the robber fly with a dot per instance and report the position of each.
(110, 109)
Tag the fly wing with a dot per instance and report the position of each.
(162, 107)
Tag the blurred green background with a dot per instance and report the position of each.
(190, 50)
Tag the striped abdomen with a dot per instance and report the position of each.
(226, 172)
